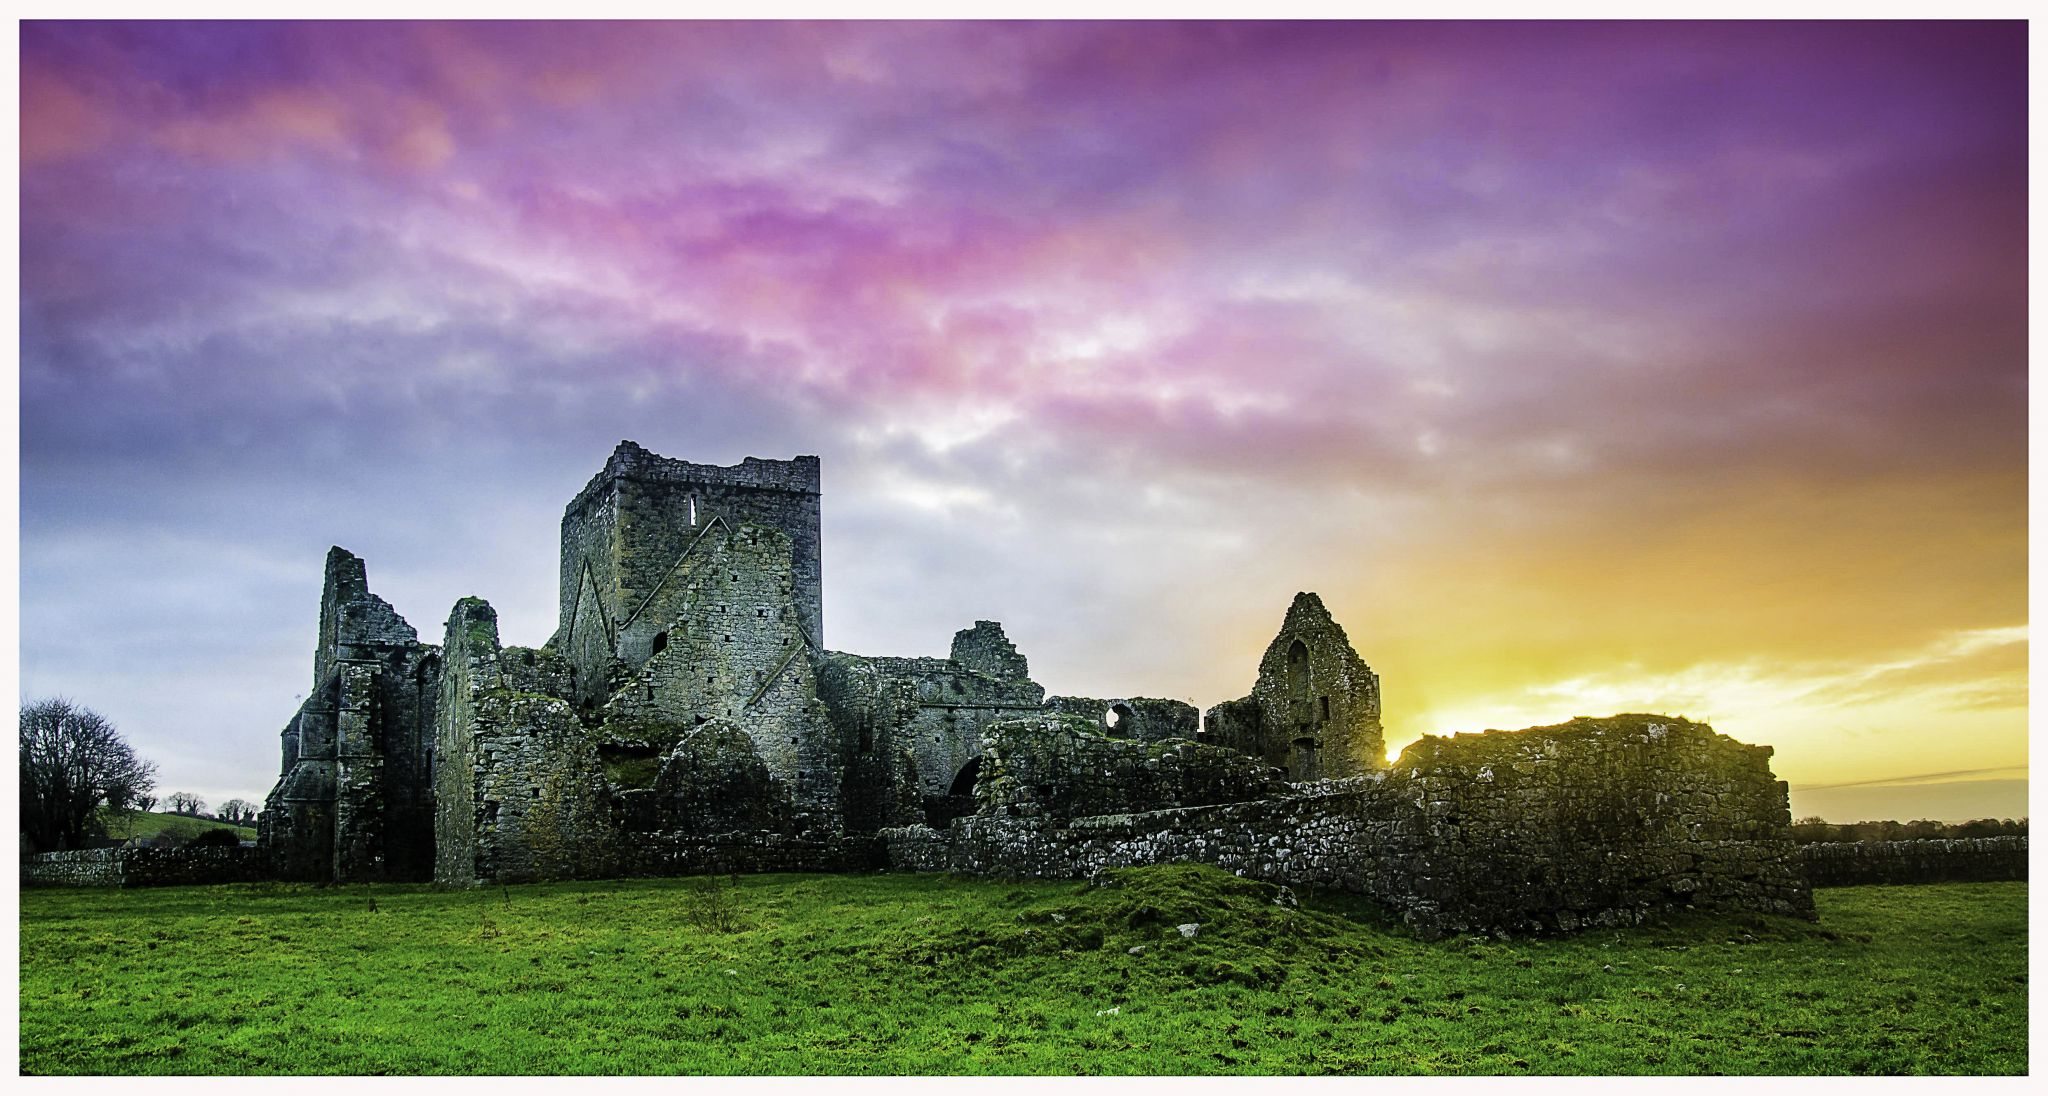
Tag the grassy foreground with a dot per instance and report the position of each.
(796, 974)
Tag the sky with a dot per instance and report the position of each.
(1582, 368)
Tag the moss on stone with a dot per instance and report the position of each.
(630, 770)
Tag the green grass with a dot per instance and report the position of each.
(925, 974)
(121, 827)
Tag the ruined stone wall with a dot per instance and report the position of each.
(1315, 708)
(641, 513)
(1627, 813)
(955, 708)
(1144, 718)
(125, 867)
(408, 687)
(986, 650)
(359, 819)
(868, 707)
(354, 622)
(543, 809)
(521, 788)
(711, 780)
(354, 801)
(1940, 860)
(297, 821)
(1234, 724)
(734, 648)
(1061, 767)
(469, 656)
(527, 790)
(1555, 828)
(912, 728)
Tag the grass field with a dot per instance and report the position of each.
(149, 824)
(924, 974)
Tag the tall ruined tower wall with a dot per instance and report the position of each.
(627, 531)
(354, 799)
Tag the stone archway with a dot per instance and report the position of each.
(963, 781)
(941, 810)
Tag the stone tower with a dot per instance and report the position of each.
(355, 801)
(1315, 710)
(629, 531)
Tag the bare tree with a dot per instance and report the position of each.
(73, 764)
(241, 812)
(185, 803)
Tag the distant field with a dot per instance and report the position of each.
(875, 974)
(149, 824)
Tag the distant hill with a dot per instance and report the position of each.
(150, 824)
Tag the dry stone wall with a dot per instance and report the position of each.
(126, 867)
(1940, 860)
(73, 868)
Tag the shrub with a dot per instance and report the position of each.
(218, 837)
(714, 905)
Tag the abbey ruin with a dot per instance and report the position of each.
(686, 716)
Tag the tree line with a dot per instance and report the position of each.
(1806, 831)
(78, 774)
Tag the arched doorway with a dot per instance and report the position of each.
(941, 810)
(963, 782)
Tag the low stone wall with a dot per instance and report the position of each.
(1593, 822)
(76, 868)
(147, 867)
(1057, 766)
(1950, 860)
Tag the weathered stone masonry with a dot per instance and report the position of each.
(686, 716)
(1591, 822)
(355, 798)
(1315, 709)
(685, 711)
(125, 867)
